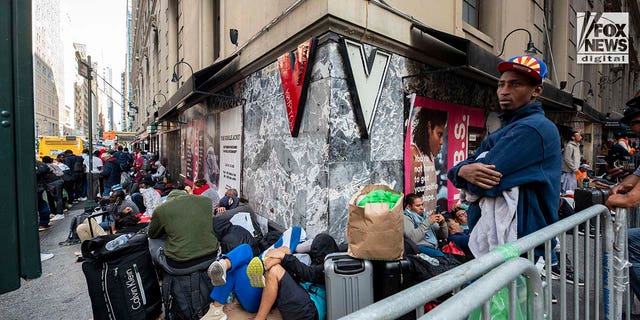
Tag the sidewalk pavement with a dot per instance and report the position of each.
(61, 291)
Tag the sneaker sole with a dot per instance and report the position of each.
(216, 274)
(255, 273)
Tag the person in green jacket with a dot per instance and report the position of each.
(187, 222)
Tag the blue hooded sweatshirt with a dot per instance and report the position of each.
(526, 150)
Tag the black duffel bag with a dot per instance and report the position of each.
(122, 283)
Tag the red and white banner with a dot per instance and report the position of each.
(295, 70)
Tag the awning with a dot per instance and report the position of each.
(193, 90)
(588, 112)
(477, 62)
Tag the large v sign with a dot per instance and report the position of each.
(365, 76)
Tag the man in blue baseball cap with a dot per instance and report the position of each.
(516, 171)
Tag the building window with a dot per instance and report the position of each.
(470, 12)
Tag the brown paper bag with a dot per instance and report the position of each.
(375, 232)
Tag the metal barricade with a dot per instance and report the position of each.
(480, 292)
(601, 267)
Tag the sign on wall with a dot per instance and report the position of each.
(603, 37)
(366, 72)
(437, 139)
(295, 70)
(230, 150)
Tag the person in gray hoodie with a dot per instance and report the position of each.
(570, 163)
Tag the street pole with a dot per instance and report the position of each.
(90, 201)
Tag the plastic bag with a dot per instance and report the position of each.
(500, 304)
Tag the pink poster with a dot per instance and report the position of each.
(193, 151)
(437, 139)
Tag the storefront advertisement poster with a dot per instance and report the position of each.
(437, 138)
(230, 150)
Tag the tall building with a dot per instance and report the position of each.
(106, 97)
(67, 117)
(297, 104)
(48, 66)
(46, 99)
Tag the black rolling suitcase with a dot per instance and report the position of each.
(391, 278)
(587, 197)
(122, 283)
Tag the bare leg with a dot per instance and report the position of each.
(270, 291)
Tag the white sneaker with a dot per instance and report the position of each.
(217, 273)
(57, 217)
(45, 256)
(214, 313)
(83, 199)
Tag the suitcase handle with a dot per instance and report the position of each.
(348, 267)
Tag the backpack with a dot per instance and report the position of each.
(55, 169)
(146, 164)
(78, 165)
(318, 294)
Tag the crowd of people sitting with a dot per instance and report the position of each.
(261, 270)
(64, 180)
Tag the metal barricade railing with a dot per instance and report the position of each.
(602, 269)
(480, 292)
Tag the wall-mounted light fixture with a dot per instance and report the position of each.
(233, 36)
(531, 48)
(589, 93)
(174, 77)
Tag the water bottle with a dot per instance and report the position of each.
(117, 242)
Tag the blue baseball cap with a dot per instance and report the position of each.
(528, 65)
(229, 202)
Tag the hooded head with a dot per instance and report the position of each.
(322, 245)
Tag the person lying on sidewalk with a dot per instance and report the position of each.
(281, 275)
(229, 273)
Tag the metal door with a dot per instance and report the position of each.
(19, 242)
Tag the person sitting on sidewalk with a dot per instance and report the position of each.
(424, 231)
(460, 215)
(185, 220)
(280, 274)
(202, 187)
(229, 273)
(229, 201)
(458, 236)
(147, 198)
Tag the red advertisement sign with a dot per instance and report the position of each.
(438, 138)
(294, 73)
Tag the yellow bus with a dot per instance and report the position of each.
(52, 146)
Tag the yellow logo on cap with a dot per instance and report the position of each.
(528, 62)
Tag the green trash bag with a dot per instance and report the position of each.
(500, 304)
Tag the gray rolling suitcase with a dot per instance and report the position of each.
(349, 283)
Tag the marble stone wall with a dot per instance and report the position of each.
(308, 180)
